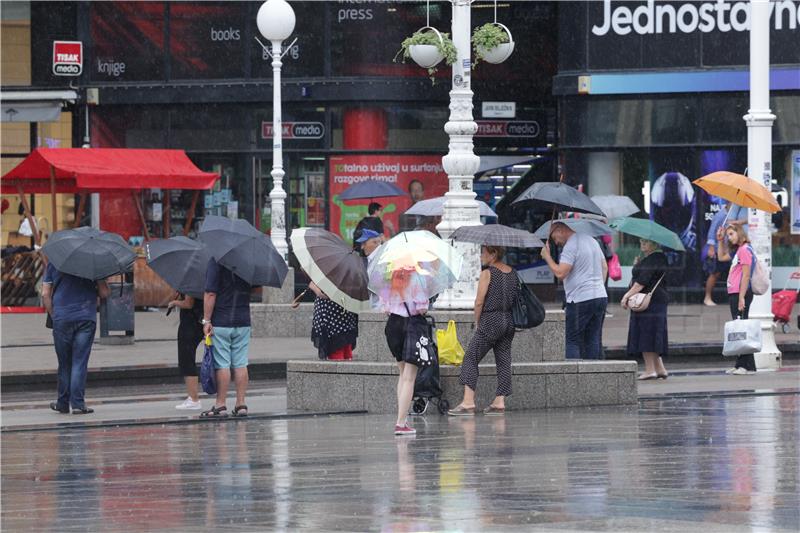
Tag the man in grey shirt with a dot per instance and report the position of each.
(583, 269)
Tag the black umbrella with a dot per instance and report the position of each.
(559, 196)
(497, 235)
(334, 266)
(89, 253)
(371, 189)
(181, 262)
(244, 250)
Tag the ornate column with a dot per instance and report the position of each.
(277, 195)
(461, 164)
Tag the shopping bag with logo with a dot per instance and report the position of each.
(208, 378)
(419, 347)
(614, 268)
(450, 350)
(742, 337)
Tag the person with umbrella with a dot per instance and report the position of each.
(371, 222)
(583, 270)
(79, 261)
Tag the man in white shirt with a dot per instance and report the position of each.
(583, 269)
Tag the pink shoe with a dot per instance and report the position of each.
(404, 430)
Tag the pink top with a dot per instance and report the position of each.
(744, 256)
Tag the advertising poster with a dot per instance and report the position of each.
(423, 175)
(796, 192)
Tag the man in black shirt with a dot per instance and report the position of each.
(371, 222)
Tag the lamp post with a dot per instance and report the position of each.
(275, 22)
(759, 119)
(461, 164)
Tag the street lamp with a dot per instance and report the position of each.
(759, 119)
(275, 22)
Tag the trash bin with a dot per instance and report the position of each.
(117, 312)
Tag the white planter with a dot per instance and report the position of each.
(425, 55)
(498, 54)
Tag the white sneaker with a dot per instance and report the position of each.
(740, 372)
(189, 404)
(730, 371)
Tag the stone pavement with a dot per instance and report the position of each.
(712, 464)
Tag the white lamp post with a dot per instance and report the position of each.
(461, 164)
(275, 22)
(759, 119)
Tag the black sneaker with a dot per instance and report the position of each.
(82, 410)
(55, 407)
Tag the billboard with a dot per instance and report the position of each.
(421, 173)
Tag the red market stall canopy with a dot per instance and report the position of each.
(78, 170)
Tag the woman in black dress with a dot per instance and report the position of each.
(647, 332)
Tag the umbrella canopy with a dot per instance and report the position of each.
(497, 235)
(587, 226)
(371, 189)
(89, 253)
(241, 248)
(434, 207)
(647, 229)
(560, 196)
(615, 206)
(334, 266)
(181, 262)
(412, 267)
(739, 189)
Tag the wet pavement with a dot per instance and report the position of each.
(718, 464)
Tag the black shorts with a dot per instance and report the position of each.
(395, 332)
(722, 268)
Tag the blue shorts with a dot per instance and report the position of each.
(230, 347)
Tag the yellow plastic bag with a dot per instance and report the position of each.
(450, 350)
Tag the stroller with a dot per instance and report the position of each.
(427, 387)
(783, 302)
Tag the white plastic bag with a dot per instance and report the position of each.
(742, 337)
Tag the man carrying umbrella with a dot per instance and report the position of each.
(583, 269)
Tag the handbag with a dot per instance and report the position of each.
(641, 301)
(208, 378)
(614, 268)
(419, 347)
(450, 350)
(528, 311)
(742, 337)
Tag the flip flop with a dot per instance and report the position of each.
(494, 411)
(461, 411)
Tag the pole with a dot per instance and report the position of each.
(759, 119)
(461, 164)
(277, 195)
(53, 202)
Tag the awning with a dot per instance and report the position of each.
(493, 162)
(34, 106)
(97, 169)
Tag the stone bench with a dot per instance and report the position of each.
(280, 320)
(323, 385)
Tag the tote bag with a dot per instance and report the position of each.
(419, 347)
(208, 378)
(742, 337)
(528, 311)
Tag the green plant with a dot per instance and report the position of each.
(487, 37)
(445, 47)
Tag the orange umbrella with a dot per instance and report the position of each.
(739, 189)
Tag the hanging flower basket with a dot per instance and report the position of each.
(428, 47)
(492, 42)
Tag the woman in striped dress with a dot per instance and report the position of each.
(498, 288)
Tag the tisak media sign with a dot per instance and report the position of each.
(67, 58)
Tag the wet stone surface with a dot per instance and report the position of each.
(668, 465)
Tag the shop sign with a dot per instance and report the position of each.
(508, 128)
(499, 109)
(295, 130)
(67, 58)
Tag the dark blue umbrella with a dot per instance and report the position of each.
(89, 253)
(245, 251)
(371, 189)
(181, 262)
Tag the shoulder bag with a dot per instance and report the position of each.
(528, 311)
(641, 301)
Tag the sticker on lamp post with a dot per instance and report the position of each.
(67, 58)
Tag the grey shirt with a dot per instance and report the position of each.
(585, 280)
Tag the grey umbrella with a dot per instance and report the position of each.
(587, 226)
(560, 196)
(434, 207)
(181, 262)
(371, 189)
(615, 206)
(241, 248)
(497, 235)
(89, 253)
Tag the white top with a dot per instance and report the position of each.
(585, 280)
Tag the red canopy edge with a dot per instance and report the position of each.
(98, 169)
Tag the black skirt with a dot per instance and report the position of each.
(647, 331)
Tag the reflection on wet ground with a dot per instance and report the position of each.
(670, 465)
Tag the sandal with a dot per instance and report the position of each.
(215, 412)
(492, 410)
(460, 410)
(237, 411)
